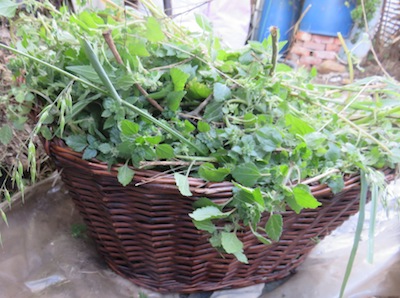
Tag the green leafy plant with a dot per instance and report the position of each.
(142, 93)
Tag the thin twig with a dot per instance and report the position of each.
(145, 164)
(110, 42)
(319, 177)
(201, 106)
(149, 99)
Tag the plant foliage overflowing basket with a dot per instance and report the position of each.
(196, 167)
(144, 233)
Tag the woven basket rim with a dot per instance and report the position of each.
(198, 186)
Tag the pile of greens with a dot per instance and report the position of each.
(140, 92)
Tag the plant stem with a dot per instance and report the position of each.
(348, 55)
(274, 34)
(109, 86)
(70, 75)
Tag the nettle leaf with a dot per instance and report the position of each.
(208, 212)
(208, 172)
(274, 226)
(165, 151)
(250, 195)
(153, 30)
(203, 126)
(395, 156)
(336, 183)
(197, 90)
(174, 99)
(304, 198)
(183, 184)
(105, 148)
(89, 153)
(8, 8)
(231, 243)
(76, 142)
(137, 47)
(269, 138)
(205, 225)
(129, 128)
(297, 125)
(213, 111)
(203, 22)
(125, 175)
(246, 174)
(179, 78)
(221, 92)
(6, 134)
(204, 202)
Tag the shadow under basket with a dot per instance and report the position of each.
(144, 233)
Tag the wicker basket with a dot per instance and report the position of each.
(145, 234)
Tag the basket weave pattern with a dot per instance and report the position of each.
(145, 234)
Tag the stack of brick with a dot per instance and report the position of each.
(312, 49)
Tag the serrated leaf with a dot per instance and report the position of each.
(183, 184)
(165, 151)
(203, 126)
(208, 172)
(174, 99)
(297, 125)
(6, 134)
(125, 175)
(76, 142)
(274, 226)
(153, 30)
(205, 225)
(304, 198)
(137, 47)
(105, 148)
(246, 174)
(208, 212)
(179, 78)
(250, 195)
(89, 153)
(8, 8)
(203, 22)
(231, 243)
(129, 128)
(221, 92)
(241, 257)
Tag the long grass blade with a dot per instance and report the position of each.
(372, 224)
(357, 236)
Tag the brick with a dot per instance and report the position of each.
(326, 55)
(314, 46)
(303, 36)
(333, 47)
(310, 60)
(322, 39)
(337, 41)
(299, 50)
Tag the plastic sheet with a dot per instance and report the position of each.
(45, 254)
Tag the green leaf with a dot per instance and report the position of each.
(129, 128)
(250, 195)
(241, 257)
(197, 90)
(213, 111)
(246, 174)
(76, 142)
(208, 172)
(105, 148)
(153, 30)
(274, 226)
(165, 151)
(204, 202)
(208, 212)
(174, 99)
(304, 198)
(85, 71)
(221, 92)
(203, 126)
(205, 225)
(125, 175)
(231, 243)
(179, 78)
(297, 125)
(6, 134)
(137, 47)
(203, 22)
(8, 8)
(89, 153)
(183, 184)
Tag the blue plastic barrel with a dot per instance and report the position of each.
(328, 17)
(280, 13)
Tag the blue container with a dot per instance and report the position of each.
(328, 17)
(282, 14)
